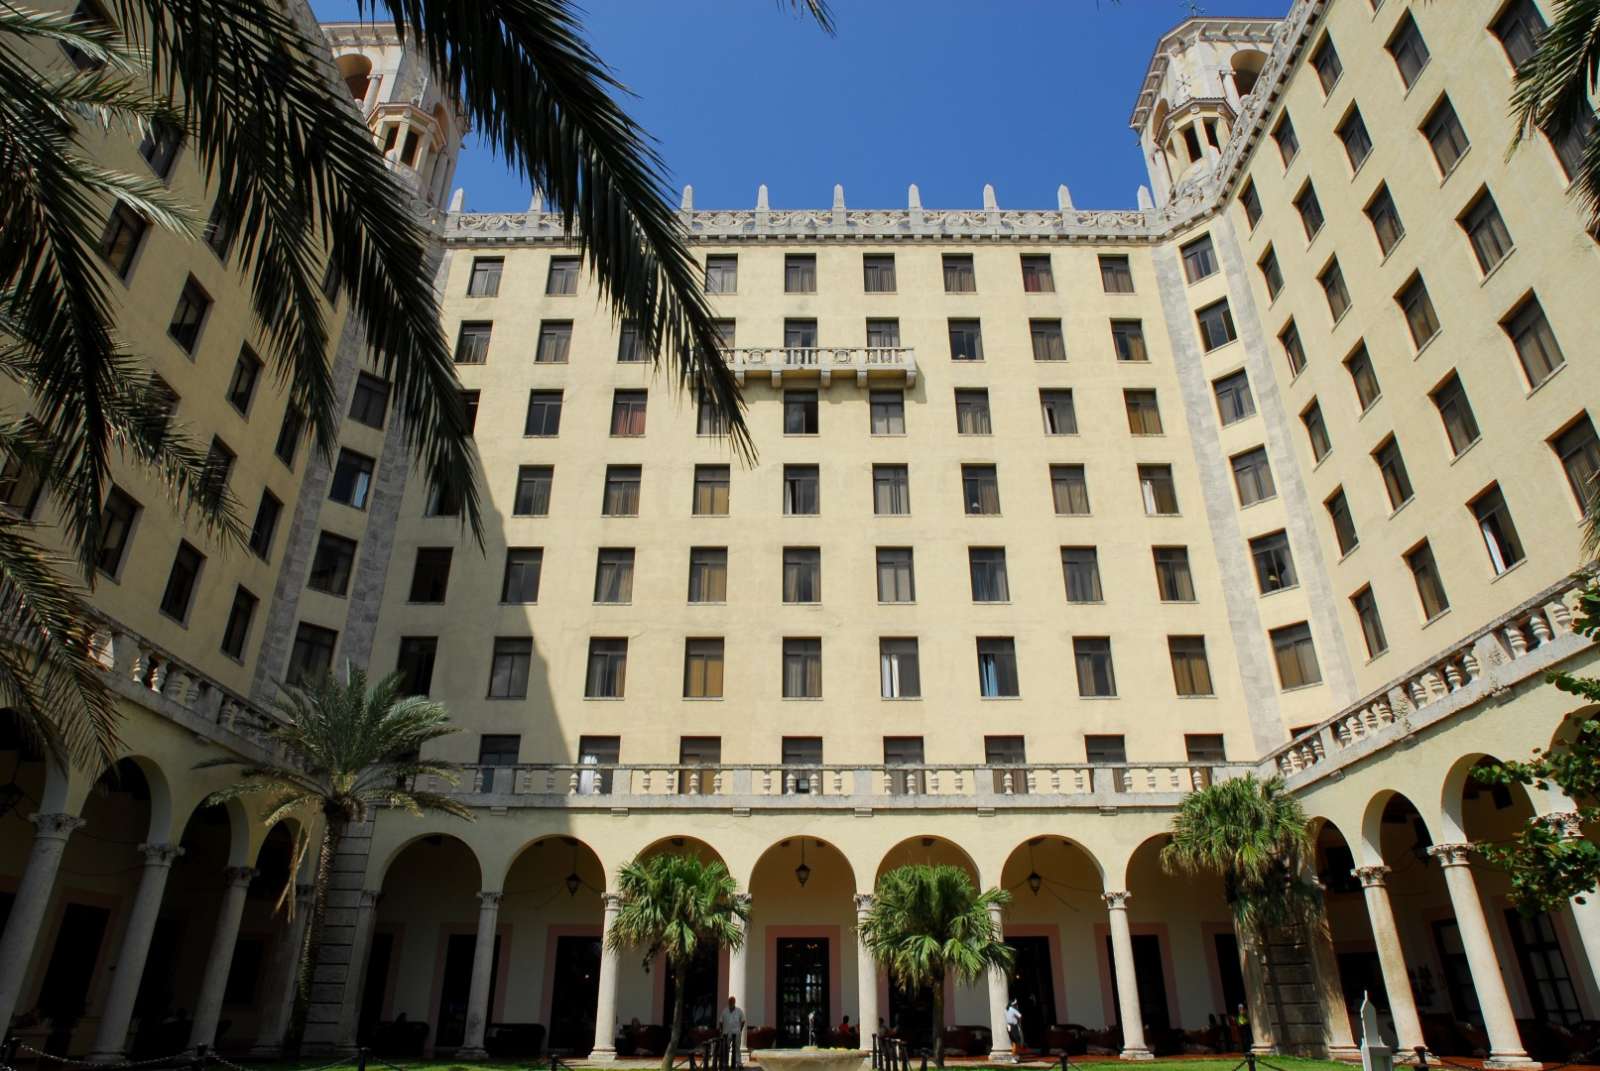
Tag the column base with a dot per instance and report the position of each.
(1002, 1056)
(606, 1055)
(107, 1058)
(477, 1052)
(1138, 1054)
(1510, 1061)
(1344, 1052)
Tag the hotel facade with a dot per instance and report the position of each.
(1057, 514)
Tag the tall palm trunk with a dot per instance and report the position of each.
(938, 1019)
(680, 997)
(333, 831)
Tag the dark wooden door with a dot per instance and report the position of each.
(1147, 966)
(1033, 987)
(576, 995)
(803, 997)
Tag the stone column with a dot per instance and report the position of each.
(738, 960)
(999, 991)
(208, 1005)
(1337, 1037)
(1133, 1044)
(1586, 915)
(1505, 1043)
(111, 1038)
(605, 1012)
(866, 977)
(283, 983)
(1254, 968)
(482, 974)
(1391, 959)
(28, 907)
(355, 978)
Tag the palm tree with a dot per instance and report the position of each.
(349, 749)
(1554, 88)
(673, 906)
(928, 923)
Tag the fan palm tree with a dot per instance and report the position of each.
(928, 923)
(673, 906)
(1555, 88)
(348, 749)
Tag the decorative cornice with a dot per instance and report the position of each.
(1371, 877)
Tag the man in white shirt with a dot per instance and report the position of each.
(1014, 1026)
(731, 1028)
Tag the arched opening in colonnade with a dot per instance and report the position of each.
(1349, 927)
(1056, 917)
(800, 958)
(908, 1013)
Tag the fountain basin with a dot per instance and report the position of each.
(810, 1059)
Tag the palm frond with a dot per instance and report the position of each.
(1554, 90)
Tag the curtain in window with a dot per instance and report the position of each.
(608, 671)
(802, 671)
(898, 672)
(800, 576)
(615, 582)
(622, 497)
(800, 494)
(627, 418)
(1094, 672)
(1191, 672)
(983, 493)
(972, 418)
(1048, 344)
(1083, 580)
(1071, 492)
(894, 580)
(890, 494)
(533, 495)
(989, 582)
(708, 580)
(710, 496)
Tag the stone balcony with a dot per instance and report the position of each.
(892, 365)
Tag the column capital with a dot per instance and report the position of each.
(238, 876)
(742, 899)
(1567, 824)
(1453, 854)
(369, 897)
(1371, 877)
(56, 826)
(863, 903)
(160, 854)
(1117, 901)
(489, 900)
(611, 901)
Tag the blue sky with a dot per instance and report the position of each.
(949, 94)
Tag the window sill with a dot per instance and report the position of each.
(709, 516)
(1179, 602)
(597, 602)
(1535, 390)
(904, 602)
(1445, 177)
(1355, 171)
(901, 698)
(536, 362)
(1099, 698)
(1075, 515)
(1300, 687)
(888, 435)
(530, 602)
(1509, 570)
(999, 698)
(1490, 274)
(1395, 512)
(1370, 407)
(180, 622)
(702, 699)
(1467, 449)
(1311, 239)
(1389, 254)
(1424, 347)
(812, 603)
(598, 698)
(1195, 695)
(425, 602)
(1260, 501)
(991, 602)
(319, 591)
(1346, 555)
(1440, 616)
(707, 602)
(1339, 319)
(1222, 346)
(1318, 463)
(1167, 515)
(1416, 79)
(1373, 658)
(802, 699)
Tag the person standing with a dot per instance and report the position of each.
(1014, 1026)
(732, 1029)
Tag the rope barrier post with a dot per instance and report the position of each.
(361, 1058)
(200, 1056)
(1422, 1057)
(1250, 1060)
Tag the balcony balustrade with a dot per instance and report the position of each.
(866, 363)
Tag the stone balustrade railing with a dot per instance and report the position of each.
(1513, 648)
(825, 361)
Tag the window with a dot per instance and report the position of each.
(702, 669)
(330, 281)
(1144, 415)
(710, 419)
(1491, 242)
(1570, 147)
(1445, 135)
(1204, 748)
(332, 564)
(1037, 277)
(1283, 134)
(1116, 274)
(802, 669)
(702, 752)
(242, 386)
(1430, 588)
(1048, 342)
(1096, 678)
(1359, 365)
(896, 575)
(891, 490)
(905, 751)
(1366, 608)
(1293, 351)
(1080, 568)
(799, 412)
(237, 631)
(708, 574)
(997, 668)
(627, 413)
(1199, 259)
(312, 654)
(1252, 475)
(294, 422)
(563, 278)
(1326, 61)
(600, 751)
(497, 749)
(1385, 220)
(613, 575)
(711, 490)
(524, 565)
(265, 527)
(987, 566)
(544, 413)
(1155, 486)
(555, 339)
(972, 412)
(1357, 142)
(630, 346)
(1128, 338)
(1108, 751)
(799, 273)
(883, 334)
(181, 582)
(88, 15)
(877, 272)
(508, 667)
(802, 574)
(1519, 28)
(352, 479)
(1250, 200)
(802, 751)
(966, 340)
(1579, 452)
(189, 316)
(1498, 531)
(1296, 656)
(159, 147)
(800, 334)
(116, 528)
(1216, 325)
(369, 402)
(533, 491)
(1009, 756)
(1410, 52)
(1535, 342)
(472, 342)
(980, 486)
(220, 230)
(1460, 426)
(899, 673)
(119, 242)
(1069, 490)
(621, 491)
(1191, 672)
(1174, 582)
(1310, 209)
(608, 669)
(1333, 288)
(1344, 526)
(1316, 430)
(485, 278)
(722, 274)
(959, 275)
(1392, 466)
(1271, 274)
(1059, 416)
(218, 466)
(1274, 563)
(801, 491)
(1234, 400)
(888, 412)
(1418, 308)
